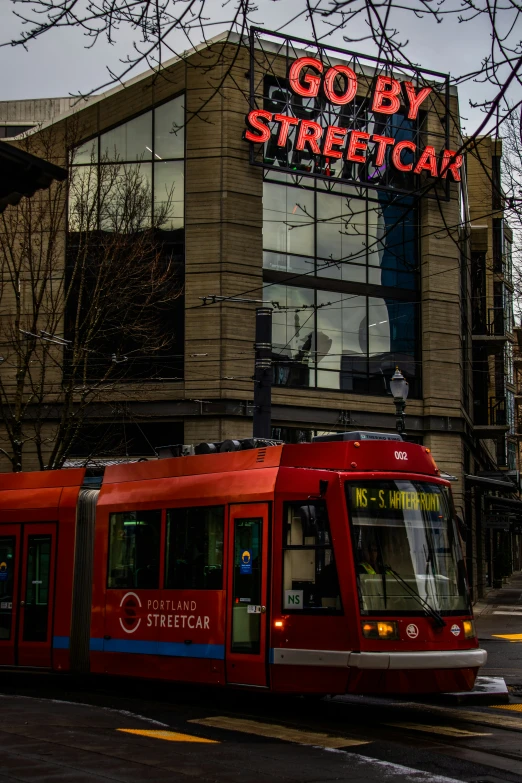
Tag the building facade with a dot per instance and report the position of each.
(364, 260)
(494, 485)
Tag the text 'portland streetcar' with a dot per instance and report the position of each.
(325, 567)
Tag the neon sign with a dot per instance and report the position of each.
(328, 119)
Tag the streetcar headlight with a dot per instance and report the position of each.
(469, 629)
(380, 630)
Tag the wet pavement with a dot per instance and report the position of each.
(57, 729)
(499, 626)
(52, 740)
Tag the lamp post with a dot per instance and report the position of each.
(399, 388)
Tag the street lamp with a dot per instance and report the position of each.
(399, 388)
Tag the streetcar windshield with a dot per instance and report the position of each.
(406, 548)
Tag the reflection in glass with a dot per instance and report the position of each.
(126, 197)
(169, 192)
(288, 220)
(341, 341)
(405, 543)
(86, 153)
(293, 336)
(392, 330)
(285, 263)
(169, 129)
(83, 198)
(130, 141)
(341, 229)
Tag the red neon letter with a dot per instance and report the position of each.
(255, 123)
(334, 136)
(383, 142)
(286, 122)
(427, 161)
(454, 167)
(358, 141)
(415, 100)
(309, 138)
(351, 84)
(390, 94)
(311, 80)
(396, 155)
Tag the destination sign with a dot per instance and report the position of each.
(394, 499)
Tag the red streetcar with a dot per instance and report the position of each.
(329, 567)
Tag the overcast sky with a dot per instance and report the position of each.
(59, 64)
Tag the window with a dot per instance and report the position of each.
(134, 173)
(134, 549)
(7, 582)
(347, 329)
(406, 547)
(194, 554)
(310, 580)
(9, 131)
(340, 341)
(340, 235)
(126, 200)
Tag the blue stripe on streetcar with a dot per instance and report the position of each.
(61, 642)
(175, 649)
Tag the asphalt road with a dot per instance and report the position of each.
(99, 730)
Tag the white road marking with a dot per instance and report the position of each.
(125, 713)
(511, 614)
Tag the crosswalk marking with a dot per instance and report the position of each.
(276, 731)
(449, 731)
(513, 707)
(170, 736)
(510, 637)
(511, 614)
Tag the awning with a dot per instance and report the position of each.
(507, 503)
(22, 174)
(491, 483)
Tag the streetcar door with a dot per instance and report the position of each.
(247, 591)
(36, 594)
(9, 578)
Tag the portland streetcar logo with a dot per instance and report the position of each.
(129, 621)
(412, 631)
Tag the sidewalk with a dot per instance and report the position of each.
(498, 619)
(505, 601)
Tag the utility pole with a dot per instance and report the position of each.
(263, 374)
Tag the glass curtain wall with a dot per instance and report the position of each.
(348, 334)
(129, 182)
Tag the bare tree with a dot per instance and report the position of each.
(80, 311)
(161, 29)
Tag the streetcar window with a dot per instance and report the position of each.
(134, 549)
(194, 553)
(406, 548)
(310, 580)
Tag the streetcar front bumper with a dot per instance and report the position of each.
(423, 659)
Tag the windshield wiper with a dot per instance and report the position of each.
(437, 618)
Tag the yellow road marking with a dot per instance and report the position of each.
(513, 707)
(511, 637)
(276, 731)
(171, 736)
(449, 731)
